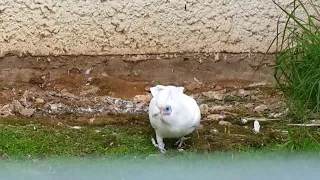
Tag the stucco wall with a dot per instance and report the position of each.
(92, 27)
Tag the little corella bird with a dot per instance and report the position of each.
(172, 114)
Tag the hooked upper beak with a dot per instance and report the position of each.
(161, 112)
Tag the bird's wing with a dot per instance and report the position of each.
(191, 114)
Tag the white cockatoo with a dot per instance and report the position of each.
(172, 114)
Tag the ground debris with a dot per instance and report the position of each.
(256, 127)
(7, 95)
(19, 109)
(215, 105)
(278, 114)
(6, 110)
(262, 119)
(143, 98)
(3, 156)
(245, 93)
(75, 127)
(305, 125)
(260, 109)
(315, 121)
(195, 84)
(259, 84)
(95, 105)
(225, 123)
(215, 117)
(28, 112)
(16, 106)
(204, 109)
(89, 90)
(39, 100)
(219, 108)
(218, 95)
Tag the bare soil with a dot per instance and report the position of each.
(218, 68)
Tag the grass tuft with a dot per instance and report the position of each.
(297, 70)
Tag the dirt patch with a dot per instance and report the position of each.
(107, 85)
(227, 68)
(129, 75)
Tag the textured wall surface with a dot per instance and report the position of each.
(92, 27)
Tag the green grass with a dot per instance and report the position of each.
(297, 70)
(37, 140)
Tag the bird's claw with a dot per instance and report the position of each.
(154, 143)
(181, 141)
(162, 150)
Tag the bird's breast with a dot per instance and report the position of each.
(169, 131)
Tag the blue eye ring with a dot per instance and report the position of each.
(167, 111)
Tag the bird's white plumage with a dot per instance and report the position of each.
(184, 117)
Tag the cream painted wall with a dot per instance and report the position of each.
(99, 27)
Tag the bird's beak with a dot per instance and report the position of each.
(161, 112)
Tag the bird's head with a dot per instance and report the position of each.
(166, 101)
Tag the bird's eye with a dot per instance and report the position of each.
(167, 111)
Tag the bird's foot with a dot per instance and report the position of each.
(181, 141)
(163, 151)
(180, 149)
(161, 147)
(154, 143)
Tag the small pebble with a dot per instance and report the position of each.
(225, 123)
(204, 109)
(214, 131)
(91, 120)
(75, 127)
(39, 100)
(261, 108)
(180, 150)
(244, 120)
(215, 117)
(88, 71)
(147, 88)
